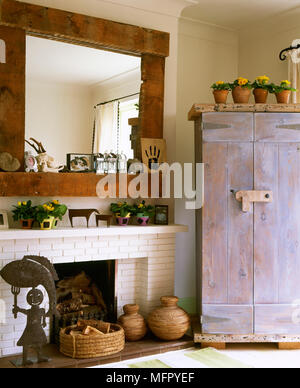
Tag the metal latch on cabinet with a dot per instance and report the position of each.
(248, 197)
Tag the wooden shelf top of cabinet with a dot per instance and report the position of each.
(25, 184)
(198, 109)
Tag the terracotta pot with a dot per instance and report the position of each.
(220, 96)
(241, 95)
(260, 95)
(169, 322)
(283, 97)
(133, 323)
(27, 224)
(123, 221)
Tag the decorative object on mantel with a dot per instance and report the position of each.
(153, 153)
(31, 272)
(241, 90)
(49, 214)
(143, 213)
(220, 91)
(261, 89)
(122, 211)
(85, 213)
(25, 213)
(91, 338)
(8, 163)
(282, 91)
(80, 162)
(104, 217)
(45, 162)
(3, 220)
(133, 323)
(169, 322)
(30, 162)
(161, 215)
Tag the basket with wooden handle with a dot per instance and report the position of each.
(98, 340)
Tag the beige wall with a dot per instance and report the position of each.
(205, 54)
(260, 45)
(60, 116)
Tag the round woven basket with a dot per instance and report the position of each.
(85, 346)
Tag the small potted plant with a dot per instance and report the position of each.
(241, 90)
(261, 88)
(44, 216)
(122, 212)
(58, 212)
(143, 213)
(220, 91)
(25, 213)
(282, 91)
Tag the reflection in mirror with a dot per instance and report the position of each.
(2, 51)
(79, 99)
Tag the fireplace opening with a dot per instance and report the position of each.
(84, 291)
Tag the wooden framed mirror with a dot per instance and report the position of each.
(17, 20)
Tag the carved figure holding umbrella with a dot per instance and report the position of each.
(30, 272)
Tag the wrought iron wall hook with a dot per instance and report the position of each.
(283, 53)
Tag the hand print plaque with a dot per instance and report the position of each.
(153, 153)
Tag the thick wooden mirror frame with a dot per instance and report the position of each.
(18, 19)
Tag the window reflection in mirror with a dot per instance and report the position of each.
(69, 88)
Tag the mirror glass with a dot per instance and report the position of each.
(79, 99)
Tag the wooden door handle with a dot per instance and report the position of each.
(248, 196)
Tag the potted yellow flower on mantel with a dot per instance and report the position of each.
(241, 90)
(261, 88)
(282, 91)
(220, 91)
(49, 214)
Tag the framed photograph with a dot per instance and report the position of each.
(161, 215)
(80, 162)
(3, 220)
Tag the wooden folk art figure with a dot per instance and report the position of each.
(30, 272)
(87, 213)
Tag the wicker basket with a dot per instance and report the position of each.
(85, 346)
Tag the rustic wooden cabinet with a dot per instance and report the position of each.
(249, 262)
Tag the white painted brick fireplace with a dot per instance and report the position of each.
(145, 265)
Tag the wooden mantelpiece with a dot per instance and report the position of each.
(198, 109)
(59, 185)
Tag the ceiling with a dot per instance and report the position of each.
(52, 61)
(235, 14)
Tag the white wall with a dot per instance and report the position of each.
(117, 87)
(60, 116)
(206, 54)
(261, 44)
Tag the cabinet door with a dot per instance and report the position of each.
(277, 224)
(227, 238)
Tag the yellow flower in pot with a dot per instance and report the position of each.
(25, 213)
(220, 91)
(282, 91)
(241, 90)
(261, 89)
(49, 213)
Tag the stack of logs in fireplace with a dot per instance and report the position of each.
(78, 297)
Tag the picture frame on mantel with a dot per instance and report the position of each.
(3, 220)
(161, 215)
